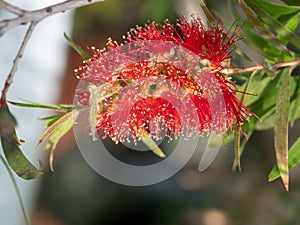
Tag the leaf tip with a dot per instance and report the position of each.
(158, 152)
(51, 161)
(41, 166)
(285, 180)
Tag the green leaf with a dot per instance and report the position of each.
(208, 14)
(146, 138)
(294, 159)
(60, 131)
(237, 149)
(260, 45)
(268, 120)
(237, 130)
(249, 129)
(293, 22)
(254, 41)
(276, 10)
(76, 47)
(52, 119)
(268, 96)
(295, 103)
(281, 127)
(10, 144)
(282, 31)
(43, 106)
(56, 131)
(254, 87)
(65, 118)
(291, 2)
(264, 31)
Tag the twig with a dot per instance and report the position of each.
(11, 8)
(40, 14)
(32, 17)
(27, 221)
(17, 59)
(291, 64)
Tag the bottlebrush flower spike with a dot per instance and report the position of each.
(164, 78)
(212, 44)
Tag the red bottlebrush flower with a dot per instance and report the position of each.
(165, 78)
(212, 44)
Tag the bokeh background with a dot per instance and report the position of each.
(76, 195)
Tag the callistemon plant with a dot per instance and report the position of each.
(173, 81)
(164, 79)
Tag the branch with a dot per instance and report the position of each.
(17, 59)
(11, 8)
(32, 17)
(38, 15)
(291, 64)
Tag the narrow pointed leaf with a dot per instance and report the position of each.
(253, 124)
(268, 97)
(10, 144)
(237, 130)
(77, 48)
(64, 119)
(243, 54)
(49, 118)
(151, 144)
(61, 130)
(264, 31)
(291, 2)
(260, 45)
(43, 106)
(276, 10)
(253, 40)
(52, 119)
(273, 23)
(252, 88)
(295, 104)
(281, 127)
(237, 149)
(294, 159)
(208, 14)
(293, 22)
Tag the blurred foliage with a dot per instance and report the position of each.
(117, 16)
(270, 31)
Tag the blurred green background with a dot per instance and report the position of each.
(76, 195)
